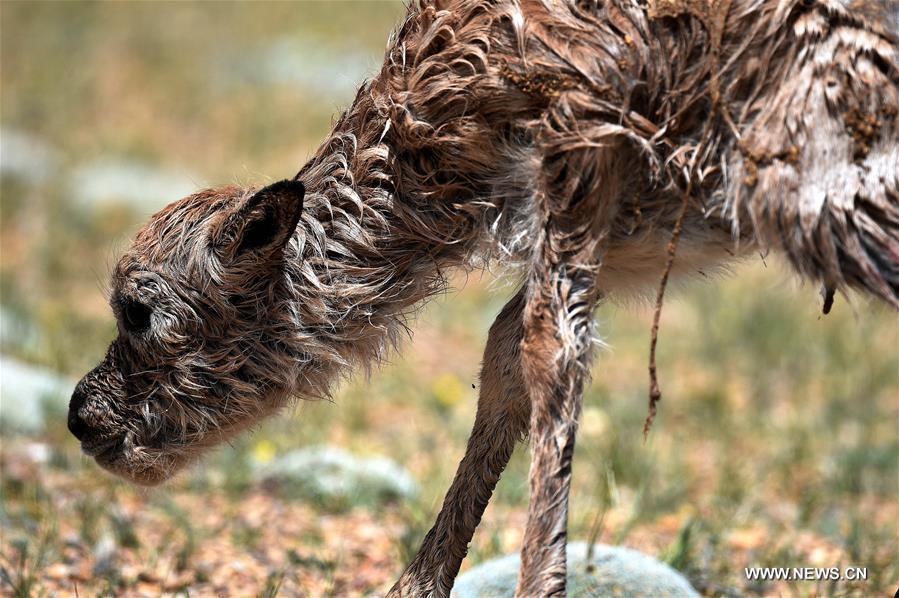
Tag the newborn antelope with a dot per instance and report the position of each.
(593, 146)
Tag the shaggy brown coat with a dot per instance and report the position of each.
(570, 140)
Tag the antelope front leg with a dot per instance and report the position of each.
(555, 352)
(501, 420)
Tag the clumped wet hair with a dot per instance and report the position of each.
(569, 141)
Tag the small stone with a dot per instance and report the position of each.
(37, 452)
(57, 571)
(105, 556)
(28, 393)
(336, 479)
(148, 577)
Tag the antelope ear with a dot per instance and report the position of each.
(265, 221)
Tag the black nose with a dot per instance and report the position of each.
(76, 425)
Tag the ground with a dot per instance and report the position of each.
(775, 445)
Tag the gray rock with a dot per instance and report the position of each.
(612, 571)
(27, 157)
(105, 556)
(336, 479)
(28, 393)
(304, 63)
(17, 333)
(142, 186)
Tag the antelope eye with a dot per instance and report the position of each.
(135, 315)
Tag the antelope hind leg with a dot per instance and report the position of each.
(555, 354)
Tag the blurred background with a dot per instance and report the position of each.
(777, 442)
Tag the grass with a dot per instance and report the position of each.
(776, 442)
(756, 459)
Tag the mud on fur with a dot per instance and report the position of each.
(568, 141)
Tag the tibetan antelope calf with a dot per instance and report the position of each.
(595, 146)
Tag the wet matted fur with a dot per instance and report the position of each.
(568, 140)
